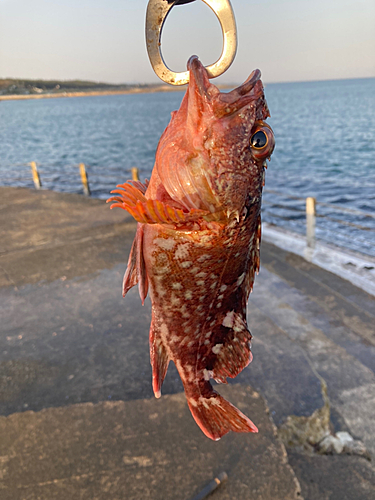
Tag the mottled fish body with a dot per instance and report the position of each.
(196, 248)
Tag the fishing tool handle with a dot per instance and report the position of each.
(157, 12)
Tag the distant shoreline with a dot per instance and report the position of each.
(160, 88)
(40, 89)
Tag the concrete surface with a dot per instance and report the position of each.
(339, 477)
(68, 337)
(143, 449)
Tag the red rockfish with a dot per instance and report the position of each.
(197, 243)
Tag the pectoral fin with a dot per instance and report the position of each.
(148, 211)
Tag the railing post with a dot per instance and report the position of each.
(35, 174)
(135, 175)
(84, 179)
(310, 221)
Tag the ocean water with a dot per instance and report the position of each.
(325, 147)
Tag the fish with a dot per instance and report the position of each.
(196, 249)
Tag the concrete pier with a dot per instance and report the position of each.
(77, 415)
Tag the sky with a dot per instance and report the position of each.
(103, 40)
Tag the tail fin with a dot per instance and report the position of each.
(216, 416)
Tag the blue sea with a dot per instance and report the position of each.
(325, 147)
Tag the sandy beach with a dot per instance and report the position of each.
(135, 90)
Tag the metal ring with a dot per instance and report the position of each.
(157, 12)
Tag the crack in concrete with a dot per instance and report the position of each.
(313, 434)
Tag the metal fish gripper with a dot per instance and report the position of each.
(157, 12)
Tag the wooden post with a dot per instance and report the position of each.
(310, 221)
(35, 174)
(135, 175)
(84, 179)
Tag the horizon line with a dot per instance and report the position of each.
(98, 82)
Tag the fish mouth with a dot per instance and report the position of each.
(199, 77)
(223, 103)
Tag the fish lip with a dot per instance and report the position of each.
(248, 85)
(199, 76)
(238, 96)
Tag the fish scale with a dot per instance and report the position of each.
(196, 249)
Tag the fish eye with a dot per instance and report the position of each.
(262, 141)
(259, 140)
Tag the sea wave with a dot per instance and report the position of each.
(325, 148)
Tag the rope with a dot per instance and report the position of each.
(321, 216)
(324, 204)
(346, 223)
(285, 207)
(286, 195)
(345, 209)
